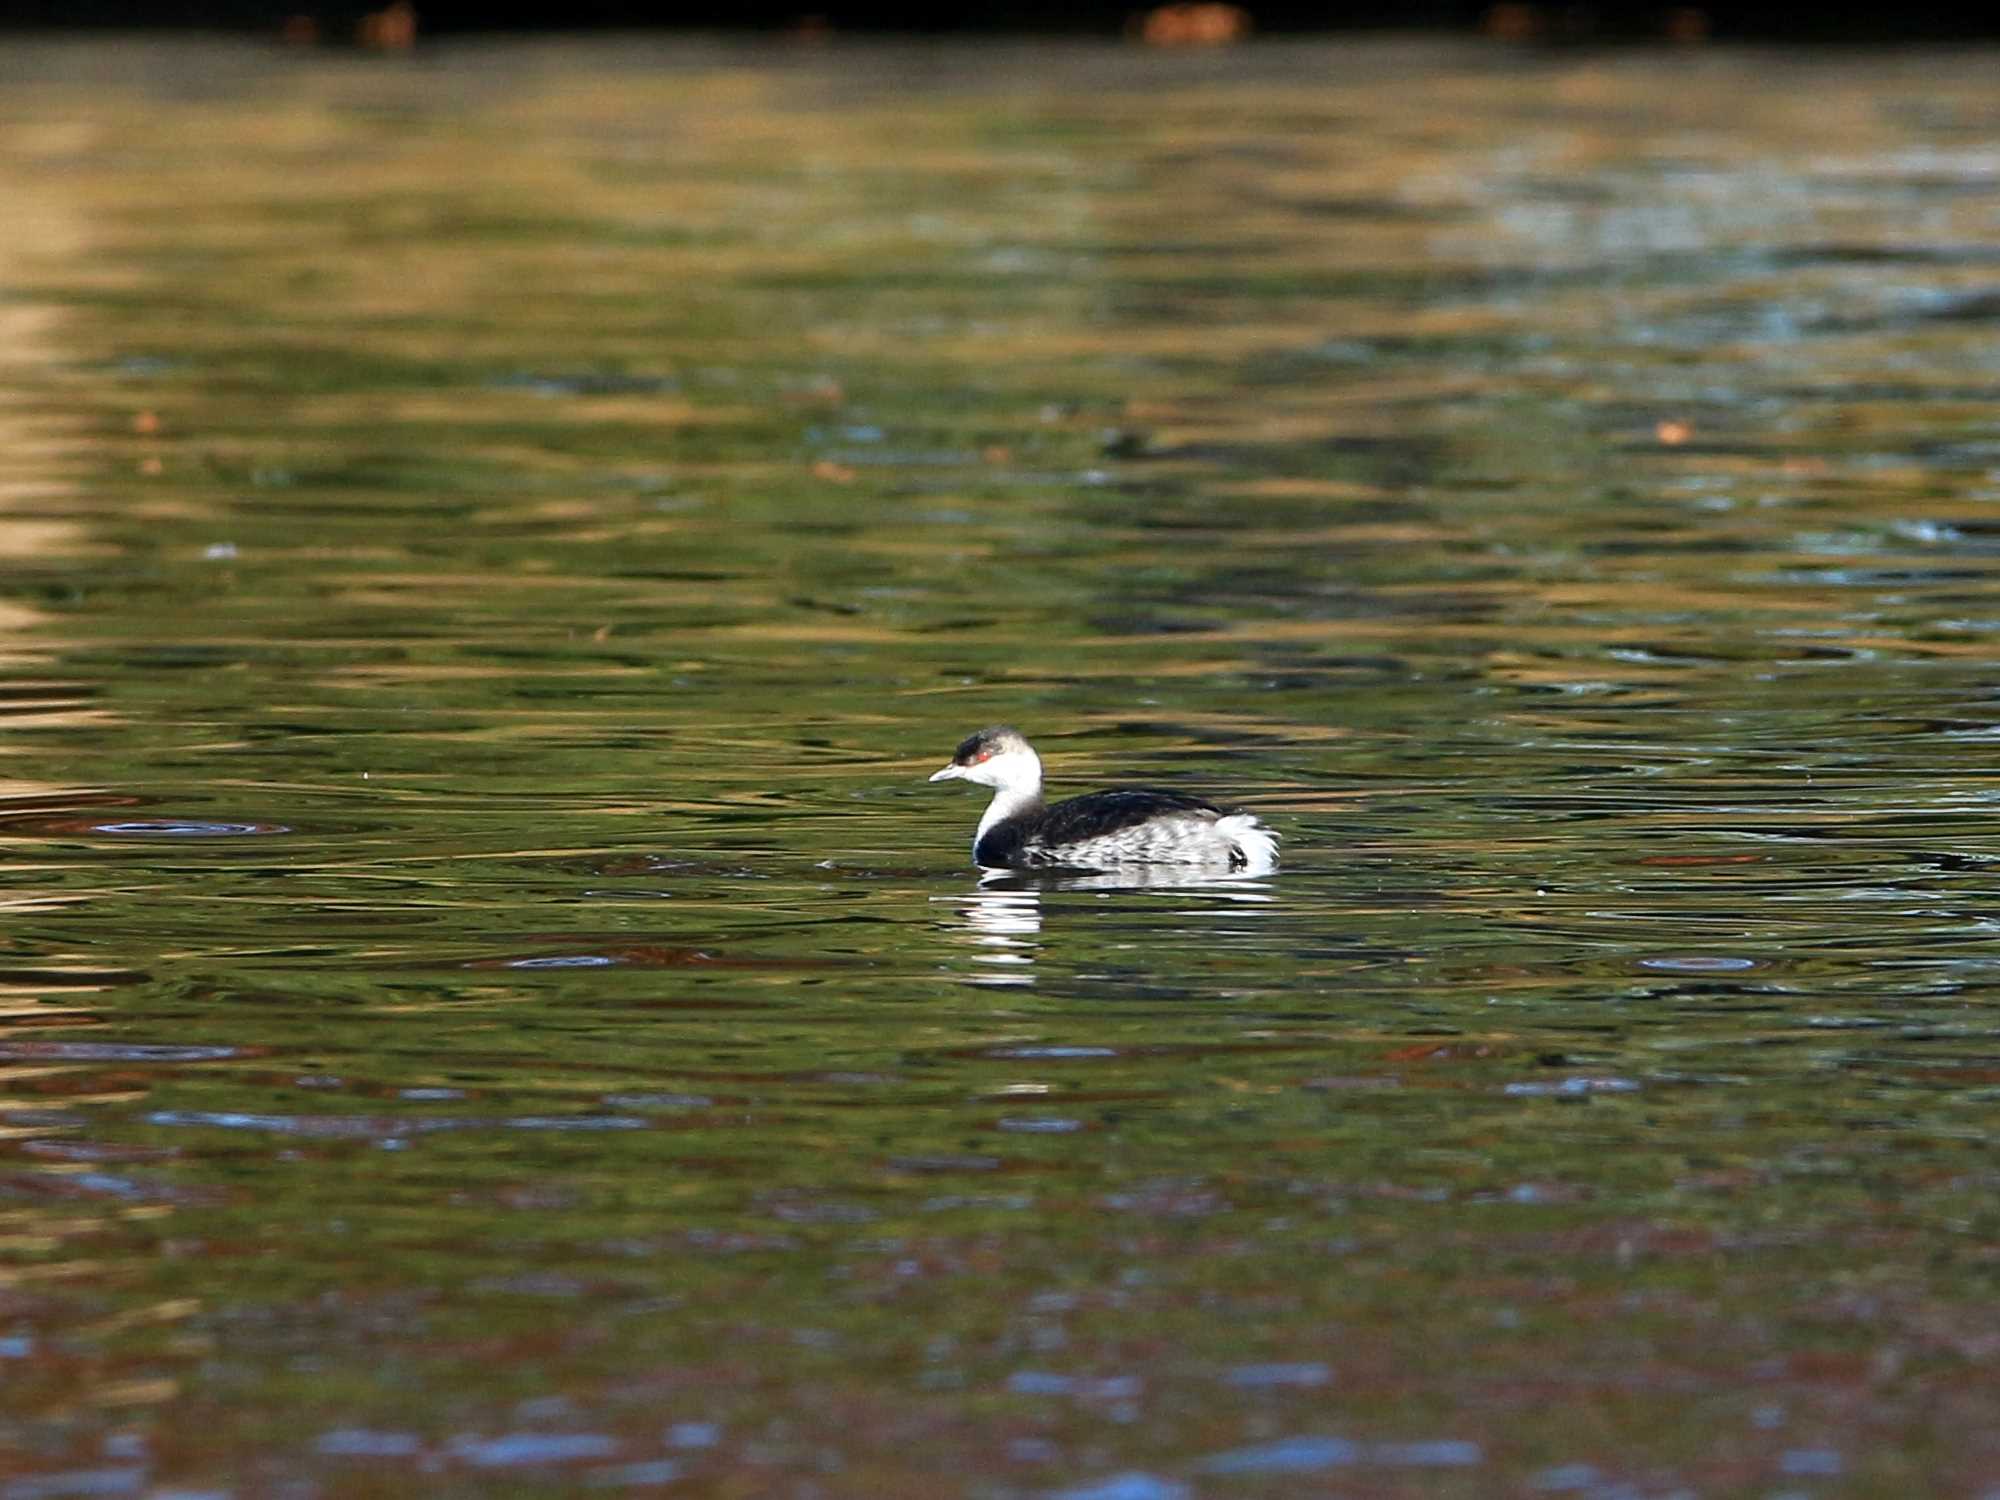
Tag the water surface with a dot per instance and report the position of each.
(493, 543)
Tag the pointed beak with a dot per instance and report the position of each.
(949, 773)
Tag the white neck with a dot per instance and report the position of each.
(1016, 779)
(1007, 801)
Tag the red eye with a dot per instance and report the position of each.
(983, 755)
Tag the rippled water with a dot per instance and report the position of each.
(494, 543)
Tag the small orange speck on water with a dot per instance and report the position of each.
(1673, 432)
(832, 472)
(820, 390)
(1686, 24)
(997, 453)
(1443, 1052)
(141, 1392)
(602, 633)
(146, 422)
(393, 28)
(1207, 24)
(1512, 23)
(151, 466)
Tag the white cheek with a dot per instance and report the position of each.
(1007, 770)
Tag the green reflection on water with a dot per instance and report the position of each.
(495, 546)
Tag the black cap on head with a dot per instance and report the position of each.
(990, 741)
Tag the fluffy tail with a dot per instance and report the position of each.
(1257, 844)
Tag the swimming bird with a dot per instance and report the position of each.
(1100, 830)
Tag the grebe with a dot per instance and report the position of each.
(1102, 829)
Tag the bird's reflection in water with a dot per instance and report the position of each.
(1003, 914)
(1004, 926)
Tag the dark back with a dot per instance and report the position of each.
(1093, 816)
